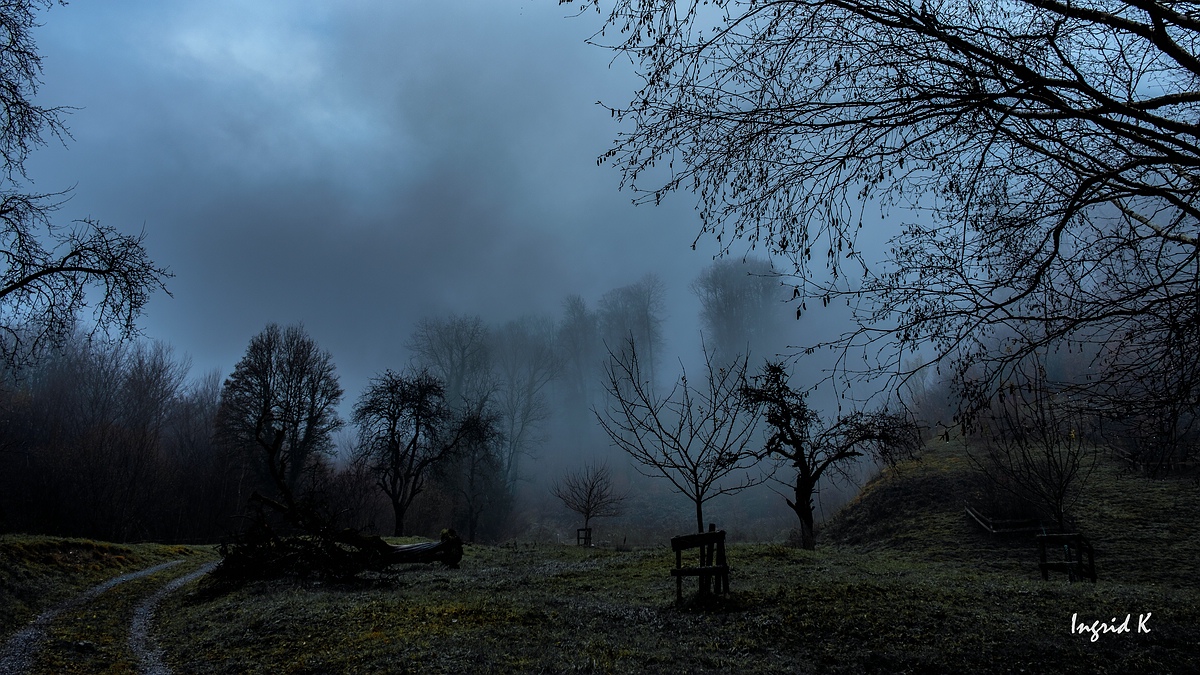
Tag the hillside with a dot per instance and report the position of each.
(1144, 531)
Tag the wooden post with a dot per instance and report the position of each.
(678, 577)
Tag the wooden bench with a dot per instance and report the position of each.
(712, 566)
(1075, 548)
(583, 536)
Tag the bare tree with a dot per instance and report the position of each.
(1047, 152)
(280, 403)
(696, 438)
(526, 361)
(406, 428)
(635, 312)
(1035, 446)
(579, 348)
(814, 449)
(741, 306)
(50, 272)
(456, 350)
(589, 492)
(477, 476)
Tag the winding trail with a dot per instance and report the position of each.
(17, 654)
(149, 656)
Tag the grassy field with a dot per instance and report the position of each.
(902, 582)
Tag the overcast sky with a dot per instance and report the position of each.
(354, 166)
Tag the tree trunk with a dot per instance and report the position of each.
(398, 512)
(808, 537)
(803, 506)
(472, 523)
(699, 516)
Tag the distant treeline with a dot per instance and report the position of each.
(121, 442)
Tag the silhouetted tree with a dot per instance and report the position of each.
(476, 475)
(280, 404)
(1035, 447)
(799, 437)
(635, 313)
(50, 272)
(740, 306)
(1052, 187)
(459, 350)
(589, 492)
(697, 438)
(406, 428)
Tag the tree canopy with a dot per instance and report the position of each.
(51, 272)
(1035, 163)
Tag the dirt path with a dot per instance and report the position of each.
(149, 656)
(18, 653)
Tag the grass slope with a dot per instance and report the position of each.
(903, 583)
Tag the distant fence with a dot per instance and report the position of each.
(1079, 560)
(1005, 527)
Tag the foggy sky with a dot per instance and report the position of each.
(354, 166)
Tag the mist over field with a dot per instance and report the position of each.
(357, 170)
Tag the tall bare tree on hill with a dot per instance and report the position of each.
(816, 449)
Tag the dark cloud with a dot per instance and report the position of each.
(354, 166)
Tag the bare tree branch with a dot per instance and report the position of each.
(589, 492)
(696, 438)
(1036, 162)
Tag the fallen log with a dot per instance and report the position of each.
(448, 551)
(337, 555)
